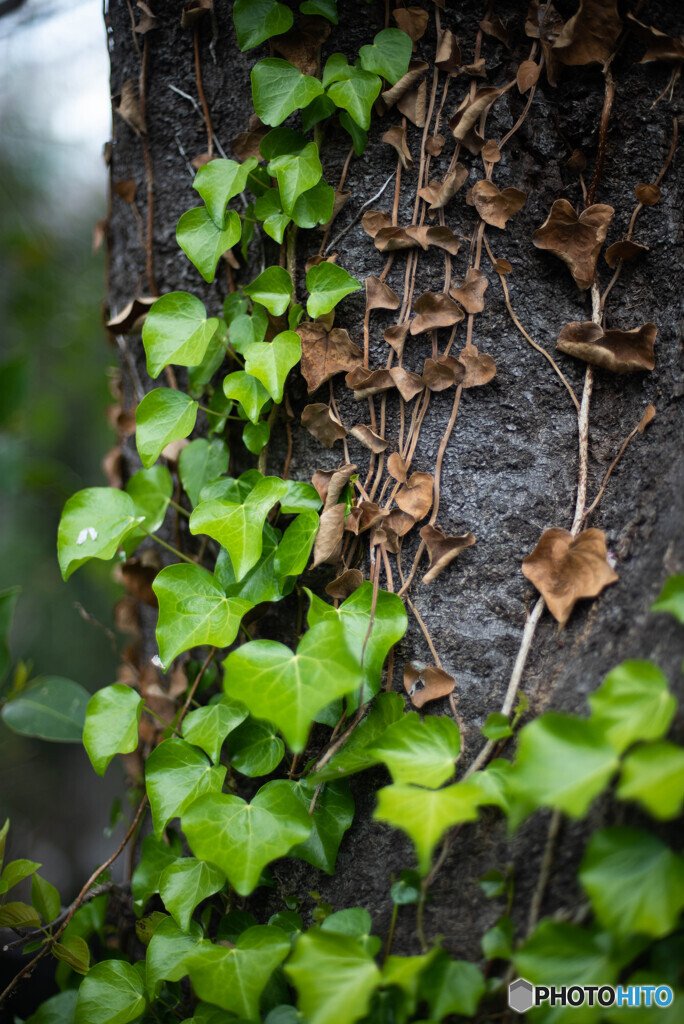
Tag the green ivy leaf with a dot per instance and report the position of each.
(452, 986)
(279, 88)
(200, 375)
(335, 977)
(258, 20)
(112, 992)
(8, 599)
(176, 330)
(425, 814)
(671, 598)
(497, 941)
(169, 953)
(164, 415)
(208, 727)
(18, 915)
(389, 55)
(94, 522)
(315, 206)
(234, 305)
(74, 952)
(359, 137)
(255, 748)
(176, 774)
(353, 90)
(241, 838)
(565, 954)
(57, 1009)
(155, 857)
(354, 755)
(151, 490)
(327, 284)
(290, 688)
(111, 724)
(324, 8)
(201, 462)
(270, 362)
(219, 181)
(186, 883)
(497, 727)
(296, 173)
(234, 979)
(634, 881)
(45, 898)
(255, 436)
(193, 610)
(299, 497)
(248, 391)
(294, 549)
(418, 751)
(261, 582)
(318, 110)
(246, 329)
(332, 816)
(271, 289)
(52, 709)
(268, 209)
(633, 703)
(203, 242)
(653, 774)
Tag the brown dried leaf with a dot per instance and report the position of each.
(396, 137)
(442, 372)
(352, 520)
(565, 569)
(448, 52)
(369, 438)
(100, 229)
(389, 97)
(442, 237)
(396, 336)
(463, 122)
(434, 144)
(399, 522)
(491, 153)
(396, 467)
(328, 543)
(577, 161)
(411, 20)
(618, 351)
(408, 384)
(344, 585)
(195, 10)
(129, 108)
(527, 75)
(480, 369)
(125, 189)
(438, 194)
(470, 293)
(173, 449)
(435, 309)
(648, 195)
(370, 515)
(493, 206)
(315, 261)
(649, 414)
(494, 26)
(247, 143)
(331, 482)
(326, 353)
(590, 35)
(476, 70)
(392, 239)
(624, 250)
(365, 382)
(374, 221)
(415, 496)
(503, 267)
(426, 684)
(660, 46)
(320, 421)
(442, 549)
(413, 103)
(148, 20)
(575, 240)
(301, 43)
(379, 295)
(132, 316)
(545, 23)
(201, 160)
(138, 578)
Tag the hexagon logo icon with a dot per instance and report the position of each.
(520, 995)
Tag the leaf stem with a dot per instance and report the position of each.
(169, 547)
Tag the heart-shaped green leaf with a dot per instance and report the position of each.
(52, 708)
(270, 362)
(176, 773)
(271, 289)
(111, 724)
(208, 727)
(155, 857)
(255, 748)
(671, 598)
(353, 90)
(255, 436)
(653, 774)
(248, 391)
(241, 838)
(193, 610)
(633, 703)
(328, 284)
(269, 210)
(296, 173)
(565, 954)
(185, 883)
(151, 490)
(389, 54)
(112, 992)
(258, 20)
(295, 547)
(452, 986)
(219, 181)
(203, 242)
(164, 415)
(94, 522)
(176, 330)
(299, 497)
(358, 135)
(324, 8)
(418, 751)
(169, 952)
(355, 754)
(261, 583)
(201, 462)
(246, 329)
(332, 816)
(279, 88)
(335, 976)
(200, 375)
(315, 206)
(235, 978)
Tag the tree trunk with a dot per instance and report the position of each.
(510, 467)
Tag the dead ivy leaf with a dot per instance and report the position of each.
(138, 578)
(590, 35)
(448, 56)
(383, 535)
(648, 195)
(470, 293)
(315, 261)
(396, 467)
(344, 585)
(434, 144)
(126, 189)
(330, 483)
(173, 449)
(200, 161)
(129, 108)
(442, 372)
(396, 336)
(660, 46)
(396, 137)
(393, 239)
(545, 23)
(326, 353)
(649, 415)
(132, 316)
(399, 522)
(415, 496)
(338, 202)
(352, 521)
(413, 103)
(365, 382)
(426, 684)
(320, 421)
(374, 221)
(491, 153)
(438, 193)
(493, 206)
(247, 144)
(442, 549)
(443, 238)
(389, 97)
(480, 369)
(575, 240)
(195, 10)
(300, 45)
(624, 250)
(379, 295)
(411, 20)
(435, 309)
(618, 351)
(577, 161)
(148, 20)
(409, 384)
(370, 515)
(369, 438)
(476, 70)
(565, 569)
(502, 267)
(494, 26)
(527, 75)
(328, 543)
(463, 122)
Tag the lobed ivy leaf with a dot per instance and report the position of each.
(164, 415)
(279, 88)
(653, 774)
(269, 210)
(318, 110)
(271, 362)
(332, 816)
(112, 992)
(294, 549)
(184, 884)
(93, 524)
(111, 724)
(327, 284)
(52, 709)
(193, 610)
(299, 497)
(246, 329)
(389, 54)
(169, 952)
(248, 391)
(260, 583)
(155, 856)
(57, 1009)
(203, 242)
(671, 598)
(323, 8)
(201, 462)
(234, 305)
(420, 751)
(255, 436)
(295, 173)
(176, 774)
(208, 727)
(219, 181)
(358, 135)
(151, 490)
(288, 688)
(241, 838)
(255, 748)
(315, 206)
(272, 289)
(234, 979)
(258, 20)
(565, 954)
(355, 754)
(335, 977)
(352, 89)
(452, 986)
(633, 703)
(176, 330)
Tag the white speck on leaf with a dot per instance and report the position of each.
(83, 536)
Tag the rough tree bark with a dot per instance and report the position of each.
(510, 468)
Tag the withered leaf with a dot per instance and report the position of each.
(527, 75)
(443, 238)
(415, 496)
(438, 193)
(470, 293)
(493, 206)
(173, 449)
(480, 369)
(389, 97)
(623, 250)
(442, 549)
(369, 438)
(448, 52)
(396, 336)
(660, 45)
(127, 616)
(590, 35)
(331, 482)
(442, 372)
(618, 351)
(399, 522)
(426, 684)
(545, 23)
(131, 317)
(435, 309)
(649, 415)
(246, 144)
(382, 534)
(129, 108)
(494, 26)
(434, 144)
(125, 189)
(411, 20)
(502, 266)
(577, 161)
(491, 153)
(365, 382)
(320, 421)
(326, 353)
(138, 579)
(476, 70)
(328, 543)
(648, 195)
(301, 43)
(379, 295)
(344, 585)
(352, 520)
(575, 240)
(408, 383)
(370, 514)
(391, 239)
(193, 11)
(463, 122)
(396, 467)
(396, 137)
(148, 20)
(374, 220)
(315, 261)
(413, 103)
(565, 569)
